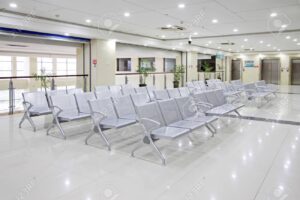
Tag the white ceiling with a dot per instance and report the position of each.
(249, 16)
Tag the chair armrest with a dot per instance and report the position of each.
(27, 105)
(149, 124)
(98, 117)
(205, 104)
(54, 112)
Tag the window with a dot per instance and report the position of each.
(147, 62)
(169, 64)
(66, 66)
(123, 64)
(22, 66)
(45, 65)
(5, 66)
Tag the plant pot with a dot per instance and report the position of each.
(176, 84)
(143, 85)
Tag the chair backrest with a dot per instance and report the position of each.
(124, 106)
(212, 98)
(82, 101)
(190, 85)
(170, 111)
(184, 91)
(220, 96)
(173, 93)
(66, 102)
(37, 99)
(186, 106)
(101, 88)
(115, 90)
(104, 106)
(250, 86)
(74, 91)
(103, 94)
(150, 90)
(161, 94)
(150, 111)
(128, 90)
(236, 82)
(55, 92)
(141, 90)
(140, 99)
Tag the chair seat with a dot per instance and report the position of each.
(72, 116)
(167, 132)
(116, 122)
(39, 110)
(207, 119)
(225, 109)
(188, 124)
(260, 94)
(129, 116)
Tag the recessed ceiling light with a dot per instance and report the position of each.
(173, 48)
(295, 40)
(88, 21)
(268, 45)
(235, 30)
(168, 25)
(215, 21)
(163, 36)
(209, 42)
(278, 49)
(67, 34)
(127, 14)
(283, 26)
(206, 44)
(274, 14)
(246, 40)
(181, 5)
(261, 42)
(298, 43)
(195, 33)
(13, 5)
(288, 37)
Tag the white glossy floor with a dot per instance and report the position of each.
(246, 160)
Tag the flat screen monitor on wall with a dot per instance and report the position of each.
(207, 64)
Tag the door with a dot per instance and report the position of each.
(236, 70)
(270, 71)
(296, 72)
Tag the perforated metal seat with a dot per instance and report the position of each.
(140, 99)
(173, 93)
(82, 101)
(125, 107)
(161, 94)
(64, 109)
(105, 117)
(35, 104)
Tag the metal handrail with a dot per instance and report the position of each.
(50, 76)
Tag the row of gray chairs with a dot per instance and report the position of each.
(170, 119)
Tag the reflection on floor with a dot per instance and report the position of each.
(247, 159)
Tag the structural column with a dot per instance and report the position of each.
(103, 55)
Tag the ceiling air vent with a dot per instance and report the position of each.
(227, 43)
(173, 28)
(16, 45)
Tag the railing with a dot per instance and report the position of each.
(158, 79)
(14, 94)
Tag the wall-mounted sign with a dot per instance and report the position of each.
(94, 61)
(249, 63)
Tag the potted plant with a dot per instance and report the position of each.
(207, 69)
(177, 71)
(43, 78)
(144, 72)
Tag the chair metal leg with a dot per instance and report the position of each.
(31, 123)
(237, 113)
(22, 120)
(213, 127)
(88, 137)
(210, 129)
(50, 127)
(100, 132)
(163, 159)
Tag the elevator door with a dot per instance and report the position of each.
(236, 70)
(296, 72)
(270, 71)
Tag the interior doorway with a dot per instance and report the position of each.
(270, 71)
(236, 69)
(295, 71)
